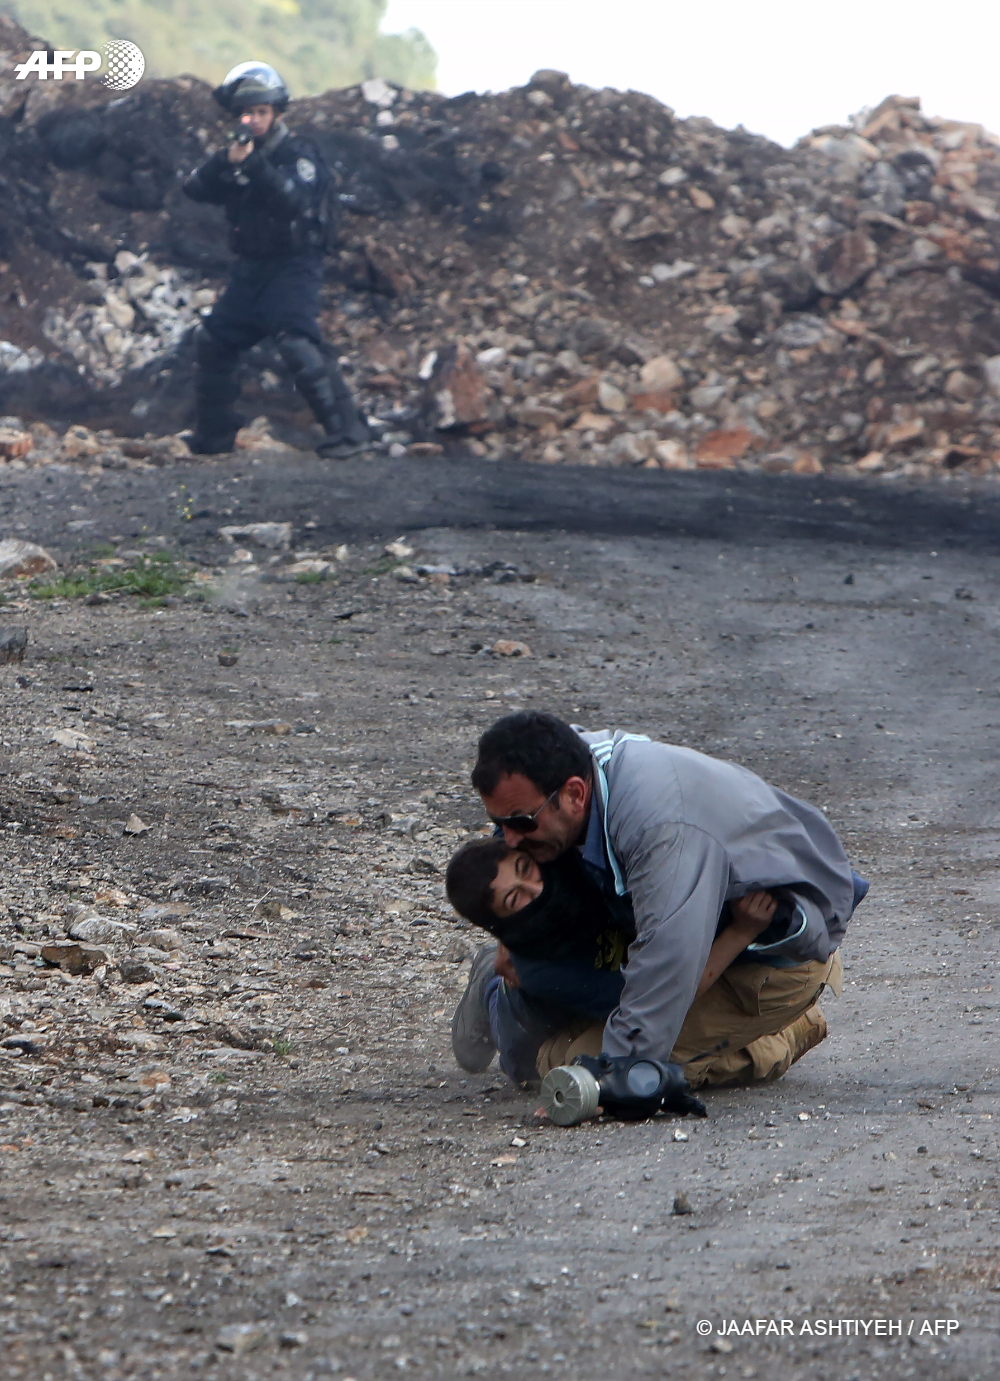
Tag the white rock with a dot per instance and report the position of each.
(680, 268)
(101, 930)
(660, 375)
(73, 740)
(610, 397)
(23, 558)
(276, 536)
(991, 372)
(13, 360)
(378, 92)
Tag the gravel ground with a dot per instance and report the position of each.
(241, 1144)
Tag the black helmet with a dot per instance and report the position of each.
(251, 83)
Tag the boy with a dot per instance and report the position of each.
(560, 950)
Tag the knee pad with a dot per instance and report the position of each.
(302, 355)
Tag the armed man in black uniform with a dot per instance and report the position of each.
(273, 185)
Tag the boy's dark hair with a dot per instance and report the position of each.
(534, 744)
(469, 880)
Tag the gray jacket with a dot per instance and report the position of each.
(683, 833)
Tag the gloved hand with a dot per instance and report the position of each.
(634, 1088)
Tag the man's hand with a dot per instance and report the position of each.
(503, 965)
(237, 153)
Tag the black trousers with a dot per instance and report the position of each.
(267, 296)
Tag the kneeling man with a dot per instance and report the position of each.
(671, 839)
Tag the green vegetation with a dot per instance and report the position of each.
(219, 1077)
(382, 566)
(150, 577)
(282, 1045)
(314, 44)
(310, 578)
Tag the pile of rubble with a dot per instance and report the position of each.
(553, 272)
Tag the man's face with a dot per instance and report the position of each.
(559, 823)
(258, 119)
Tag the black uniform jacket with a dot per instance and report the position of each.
(274, 200)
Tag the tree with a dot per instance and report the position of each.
(314, 44)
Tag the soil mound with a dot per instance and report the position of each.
(564, 273)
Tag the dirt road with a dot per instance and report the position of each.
(247, 1151)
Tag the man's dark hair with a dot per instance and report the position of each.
(470, 877)
(534, 744)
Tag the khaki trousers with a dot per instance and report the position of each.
(751, 1025)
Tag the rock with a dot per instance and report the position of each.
(591, 334)
(240, 1338)
(150, 954)
(680, 268)
(228, 659)
(101, 930)
(400, 549)
(845, 262)
(457, 392)
(271, 536)
(962, 386)
(164, 939)
(73, 957)
(13, 642)
(216, 886)
(23, 558)
(507, 647)
(14, 443)
(673, 455)
(661, 375)
(610, 397)
(311, 566)
(74, 740)
(387, 273)
(991, 373)
(139, 1040)
(537, 415)
(134, 826)
(702, 199)
(378, 92)
(135, 970)
(682, 1204)
(169, 911)
(717, 450)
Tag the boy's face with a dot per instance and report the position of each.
(518, 882)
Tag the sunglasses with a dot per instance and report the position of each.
(523, 824)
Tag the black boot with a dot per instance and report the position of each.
(320, 382)
(215, 391)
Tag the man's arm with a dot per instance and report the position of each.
(210, 182)
(289, 190)
(678, 876)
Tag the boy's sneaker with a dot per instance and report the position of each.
(471, 1038)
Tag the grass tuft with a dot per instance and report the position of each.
(151, 577)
